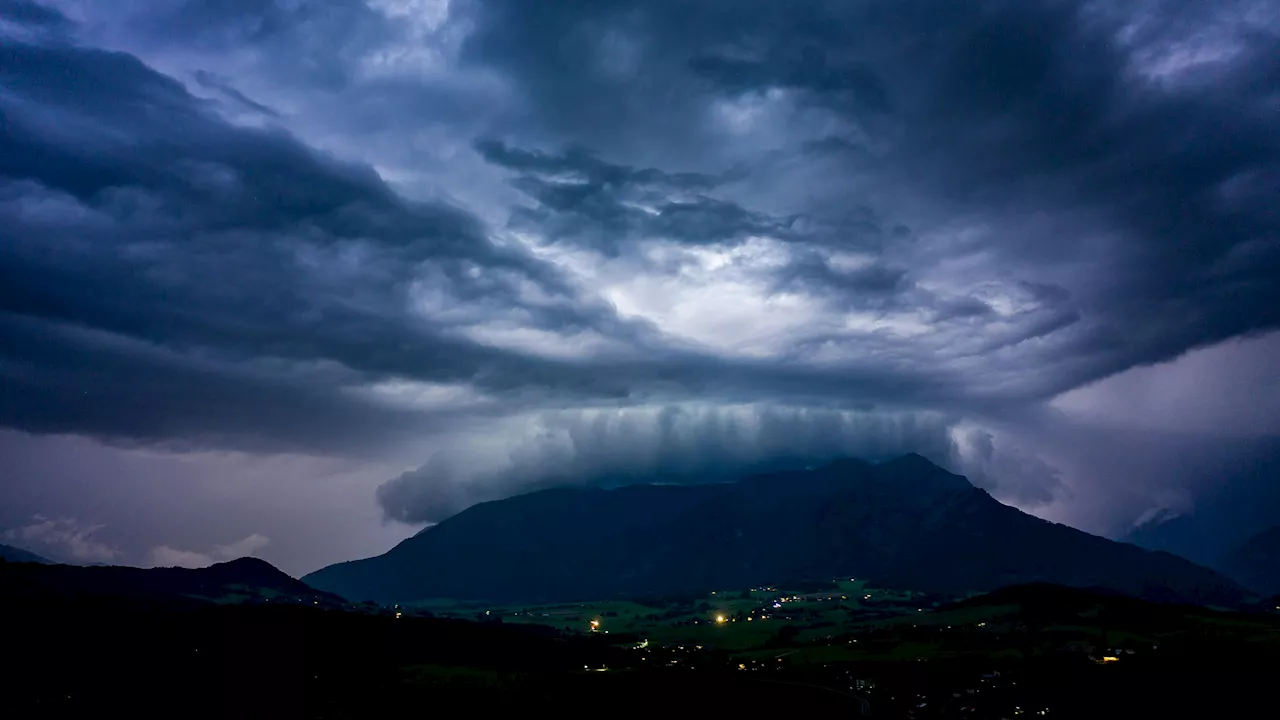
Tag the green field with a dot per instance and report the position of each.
(730, 620)
(849, 621)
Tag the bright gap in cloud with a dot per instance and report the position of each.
(719, 297)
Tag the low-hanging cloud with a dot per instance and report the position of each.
(165, 556)
(64, 538)
(675, 443)
(1006, 470)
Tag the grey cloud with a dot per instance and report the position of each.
(31, 14)
(875, 279)
(584, 207)
(1009, 472)
(64, 539)
(154, 253)
(165, 556)
(60, 380)
(1115, 475)
(308, 261)
(579, 163)
(1001, 112)
(1144, 164)
(211, 81)
(834, 146)
(961, 308)
(1046, 292)
(849, 85)
(1037, 196)
(333, 32)
(586, 200)
(608, 207)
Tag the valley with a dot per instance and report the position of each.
(242, 635)
(655, 600)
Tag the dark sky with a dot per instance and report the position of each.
(294, 277)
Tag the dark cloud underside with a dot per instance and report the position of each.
(508, 229)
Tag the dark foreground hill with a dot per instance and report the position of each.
(79, 655)
(1002, 655)
(905, 523)
(247, 580)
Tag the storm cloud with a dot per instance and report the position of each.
(508, 245)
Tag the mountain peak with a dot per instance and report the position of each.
(922, 474)
(250, 570)
(248, 563)
(913, 461)
(912, 457)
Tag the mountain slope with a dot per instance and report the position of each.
(1242, 501)
(237, 581)
(8, 553)
(904, 523)
(1256, 563)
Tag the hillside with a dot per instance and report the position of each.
(8, 553)
(1242, 501)
(905, 523)
(247, 580)
(1256, 563)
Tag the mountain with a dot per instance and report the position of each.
(1242, 500)
(1256, 563)
(1044, 605)
(904, 523)
(8, 553)
(1185, 535)
(247, 580)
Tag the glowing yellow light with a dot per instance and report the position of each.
(1110, 658)
(750, 619)
(742, 666)
(719, 618)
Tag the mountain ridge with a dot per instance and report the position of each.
(1255, 563)
(904, 523)
(242, 580)
(9, 553)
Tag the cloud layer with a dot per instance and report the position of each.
(673, 443)
(165, 556)
(64, 539)
(624, 238)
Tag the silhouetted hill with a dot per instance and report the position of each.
(905, 523)
(1256, 563)
(238, 581)
(83, 655)
(1049, 603)
(8, 553)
